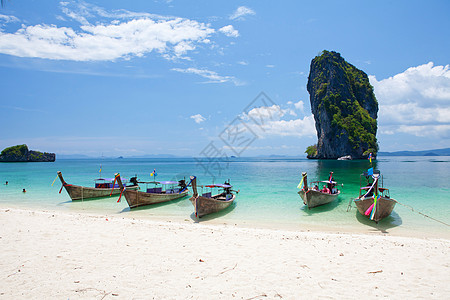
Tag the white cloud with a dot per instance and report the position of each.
(241, 12)
(8, 19)
(299, 105)
(171, 37)
(442, 131)
(213, 77)
(416, 101)
(273, 121)
(198, 118)
(243, 62)
(270, 66)
(229, 31)
(296, 127)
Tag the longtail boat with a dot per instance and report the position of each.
(206, 203)
(313, 197)
(154, 195)
(374, 200)
(103, 187)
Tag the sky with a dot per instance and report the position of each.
(213, 78)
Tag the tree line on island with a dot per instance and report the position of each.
(21, 153)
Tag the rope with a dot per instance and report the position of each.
(412, 209)
(54, 180)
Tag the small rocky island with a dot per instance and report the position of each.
(20, 153)
(344, 107)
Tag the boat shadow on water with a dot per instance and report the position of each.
(322, 208)
(391, 221)
(154, 206)
(215, 215)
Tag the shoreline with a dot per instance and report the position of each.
(114, 257)
(360, 226)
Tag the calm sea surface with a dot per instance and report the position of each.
(268, 191)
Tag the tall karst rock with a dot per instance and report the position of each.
(344, 107)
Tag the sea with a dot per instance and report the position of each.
(268, 193)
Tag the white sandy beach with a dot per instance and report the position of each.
(59, 255)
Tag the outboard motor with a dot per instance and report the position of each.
(182, 183)
(227, 190)
(133, 180)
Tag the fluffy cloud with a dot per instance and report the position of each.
(229, 31)
(114, 35)
(274, 121)
(416, 101)
(299, 105)
(198, 118)
(241, 12)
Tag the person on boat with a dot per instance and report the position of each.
(24, 191)
(325, 190)
(316, 187)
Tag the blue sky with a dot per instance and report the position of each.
(171, 77)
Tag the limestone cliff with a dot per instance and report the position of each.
(344, 107)
(20, 153)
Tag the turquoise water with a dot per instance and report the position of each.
(268, 190)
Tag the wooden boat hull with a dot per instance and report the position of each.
(385, 206)
(204, 206)
(136, 198)
(77, 192)
(315, 198)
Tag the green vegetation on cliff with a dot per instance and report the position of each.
(20, 153)
(344, 93)
(311, 151)
(15, 151)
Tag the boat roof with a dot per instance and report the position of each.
(168, 182)
(108, 179)
(160, 182)
(219, 185)
(325, 181)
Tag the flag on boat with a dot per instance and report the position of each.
(100, 169)
(153, 173)
(370, 172)
(299, 186)
(370, 157)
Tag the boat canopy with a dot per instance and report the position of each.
(327, 181)
(109, 179)
(219, 185)
(167, 182)
(159, 182)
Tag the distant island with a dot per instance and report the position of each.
(20, 153)
(434, 152)
(344, 107)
